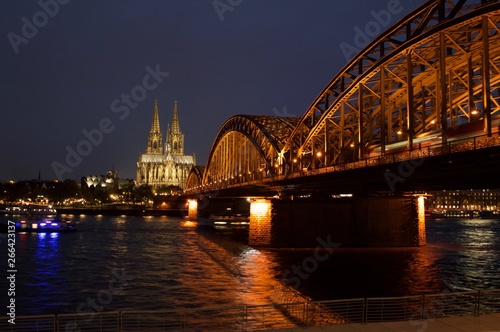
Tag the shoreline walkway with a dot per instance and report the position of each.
(468, 311)
(483, 323)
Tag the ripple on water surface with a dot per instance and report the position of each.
(163, 263)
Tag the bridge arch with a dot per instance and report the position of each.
(195, 177)
(424, 79)
(433, 77)
(246, 148)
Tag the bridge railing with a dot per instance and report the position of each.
(419, 151)
(270, 316)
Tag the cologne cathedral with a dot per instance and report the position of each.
(164, 165)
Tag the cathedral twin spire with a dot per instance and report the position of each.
(164, 163)
(175, 121)
(155, 144)
(175, 138)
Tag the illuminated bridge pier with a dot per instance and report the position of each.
(334, 222)
(347, 222)
(418, 109)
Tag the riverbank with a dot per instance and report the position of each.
(124, 211)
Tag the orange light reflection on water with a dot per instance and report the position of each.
(247, 275)
(188, 224)
(421, 273)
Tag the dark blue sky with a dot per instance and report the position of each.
(66, 70)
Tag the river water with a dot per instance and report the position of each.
(149, 263)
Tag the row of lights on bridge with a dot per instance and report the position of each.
(295, 160)
(318, 154)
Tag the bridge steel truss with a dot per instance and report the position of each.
(433, 71)
(436, 69)
(246, 148)
(195, 177)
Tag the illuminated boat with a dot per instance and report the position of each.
(31, 210)
(45, 225)
(227, 218)
(41, 210)
(15, 210)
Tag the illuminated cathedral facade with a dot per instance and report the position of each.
(164, 164)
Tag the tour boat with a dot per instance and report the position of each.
(15, 210)
(45, 225)
(38, 218)
(226, 219)
(40, 210)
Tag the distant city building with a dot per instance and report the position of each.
(167, 166)
(469, 200)
(110, 180)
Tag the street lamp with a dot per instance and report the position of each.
(352, 145)
(319, 154)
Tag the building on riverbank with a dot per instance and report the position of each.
(164, 165)
(467, 200)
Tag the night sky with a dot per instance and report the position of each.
(93, 68)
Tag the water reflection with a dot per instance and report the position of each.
(45, 269)
(421, 274)
(170, 264)
(479, 248)
(188, 224)
(470, 253)
(478, 233)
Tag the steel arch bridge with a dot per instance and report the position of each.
(245, 149)
(433, 77)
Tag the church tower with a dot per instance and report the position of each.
(171, 167)
(155, 140)
(175, 138)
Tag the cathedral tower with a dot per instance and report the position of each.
(155, 144)
(164, 168)
(175, 138)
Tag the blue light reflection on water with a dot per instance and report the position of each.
(166, 263)
(42, 275)
(47, 269)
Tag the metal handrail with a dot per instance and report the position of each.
(472, 143)
(459, 145)
(270, 316)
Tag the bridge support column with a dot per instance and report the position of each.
(260, 223)
(346, 222)
(192, 209)
(422, 237)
